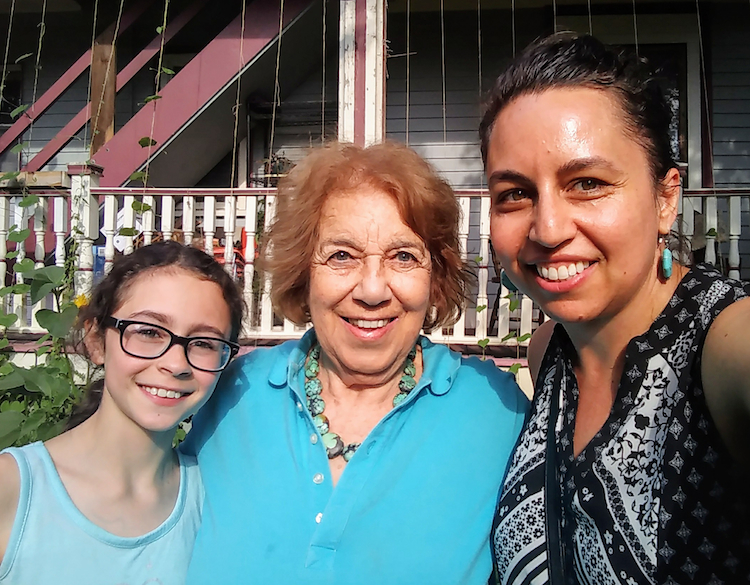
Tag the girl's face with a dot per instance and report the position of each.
(156, 394)
(576, 215)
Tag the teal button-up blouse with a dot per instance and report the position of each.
(413, 506)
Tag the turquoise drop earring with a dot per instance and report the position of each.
(666, 260)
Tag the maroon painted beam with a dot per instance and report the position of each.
(128, 72)
(193, 88)
(66, 80)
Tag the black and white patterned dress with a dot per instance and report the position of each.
(654, 497)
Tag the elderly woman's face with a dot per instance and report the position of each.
(369, 284)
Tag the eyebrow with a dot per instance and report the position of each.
(166, 321)
(572, 166)
(509, 176)
(416, 244)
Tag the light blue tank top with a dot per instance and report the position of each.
(53, 543)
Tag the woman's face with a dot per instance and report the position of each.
(576, 215)
(369, 284)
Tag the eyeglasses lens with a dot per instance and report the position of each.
(148, 341)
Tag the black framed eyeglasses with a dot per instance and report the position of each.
(148, 341)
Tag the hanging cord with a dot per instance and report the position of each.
(513, 25)
(95, 119)
(276, 88)
(88, 88)
(479, 45)
(7, 49)
(237, 99)
(705, 91)
(157, 83)
(42, 27)
(635, 30)
(408, 65)
(591, 20)
(323, 83)
(554, 16)
(442, 66)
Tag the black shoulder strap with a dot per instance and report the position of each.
(553, 503)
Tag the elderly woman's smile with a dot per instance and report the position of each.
(369, 283)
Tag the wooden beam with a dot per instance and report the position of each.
(103, 91)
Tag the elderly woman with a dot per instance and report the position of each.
(362, 453)
(628, 468)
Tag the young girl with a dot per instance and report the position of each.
(110, 501)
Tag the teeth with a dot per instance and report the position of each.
(162, 393)
(561, 272)
(363, 324)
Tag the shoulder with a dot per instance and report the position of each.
(488, 385)
(725, 370)
(538, 347)
(10, 490)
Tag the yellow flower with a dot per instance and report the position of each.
(81, 300)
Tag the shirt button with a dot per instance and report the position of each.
(319, 517)
(299, 406)
(318, 478)
(313, 438)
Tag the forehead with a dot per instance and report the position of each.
(561, 122)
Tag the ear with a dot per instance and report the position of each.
(93, 341)
(669, 200)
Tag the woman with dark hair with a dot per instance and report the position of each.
(362, 453)
(628, 470)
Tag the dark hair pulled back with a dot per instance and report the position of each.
(110, 293)
(567, 60)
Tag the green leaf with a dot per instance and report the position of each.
(9, 176)
(42, 350)
(478, 259)
(513, 305)
(40, 289)
(159, 30)
(10, 427)
(19, 236)
(138, 176)
(481, 308)
(146, 141)
(19, 147)
(524, 337)
(39, 380)
(514, 368)
(25, 265)
(18, 111)
(127, 232)
(14, 406)
(53, 274)
(8, 320)
(21, 288)
(483, 343)
(6, 369)
(6, 290)
(11, 380)
(34, 421)
(140, 207)
(510, 335)
(11, 255)
(167, 71)
(712, 233)
(28, 201)
(4, 343)
(150, 98)
(58, 324)
(22, 57)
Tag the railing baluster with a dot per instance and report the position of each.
(149, 219)
(484, 252)
(60, 225)
(464, 202)
(167, 217)
(4, 225)
(735, 229)
(230, 223)
(188, 218)
(209, 223)
(110, 228)
(87, 230)
(709, 211)
(128, 221)
(251, 207)
(266, 307)
(40, 225)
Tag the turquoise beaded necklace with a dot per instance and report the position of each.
(315, 404)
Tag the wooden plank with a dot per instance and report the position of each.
(103, 91)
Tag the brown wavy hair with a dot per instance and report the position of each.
(426, 202)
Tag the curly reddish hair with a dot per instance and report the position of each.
(426, 202)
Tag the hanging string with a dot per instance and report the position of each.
(442, 66)
(635, 30)
(479, 45)
(323, 83)
(554, 16)
(7, 49)
(236, 109)
(591, 20)
(705, 92)
(408, 64)
(158, 83)
(88, 88)
(513, 25)
(276, 88)
(42, 27)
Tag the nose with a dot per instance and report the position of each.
(373, 288)
(553, 222)
(175, 363)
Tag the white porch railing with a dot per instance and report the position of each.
(122, 218)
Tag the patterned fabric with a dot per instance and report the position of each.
(654, 497)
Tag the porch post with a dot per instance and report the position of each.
(361, 71)
(84, 221)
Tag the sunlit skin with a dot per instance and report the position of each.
(369, 268)
(571, 185)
